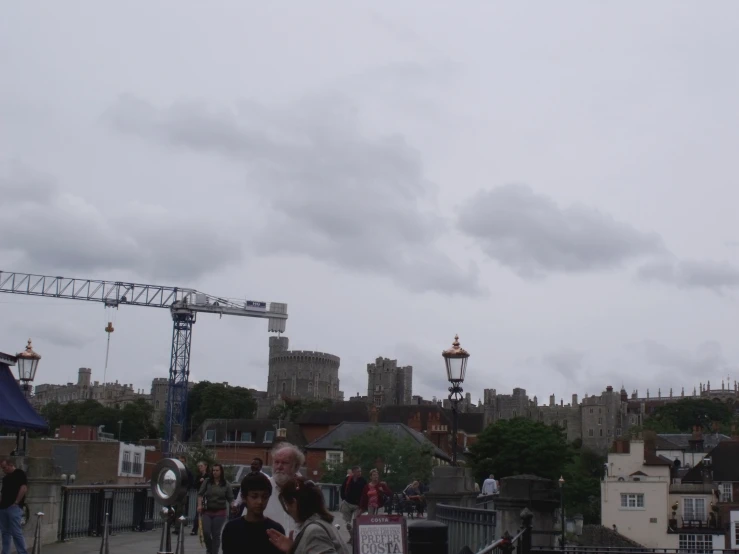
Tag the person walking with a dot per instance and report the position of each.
(303, 501)
(202, 476)
(351, 497)
(15, 487)
(214, 499)
(375, 494)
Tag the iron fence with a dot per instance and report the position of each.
(470, 527)
(130, 508)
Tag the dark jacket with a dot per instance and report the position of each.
(352, 489)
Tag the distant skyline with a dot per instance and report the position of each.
(556, 185)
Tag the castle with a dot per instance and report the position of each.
(301, 374)
(108, 394)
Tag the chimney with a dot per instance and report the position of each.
(696, 440)
(650, 443)
(574, 400)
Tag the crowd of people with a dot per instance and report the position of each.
(284, 512)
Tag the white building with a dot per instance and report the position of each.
(640, 499)
(131, 462)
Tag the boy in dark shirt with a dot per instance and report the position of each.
(249, 533)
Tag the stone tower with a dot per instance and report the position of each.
(301, 373)
(84, 376)
(388, 384)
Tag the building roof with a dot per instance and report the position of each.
(257, 427)
(681, 441)
(724, 464)
(333, 439)
(406, 412)
(336, 414)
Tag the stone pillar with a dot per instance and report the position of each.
(44, 495)
(454, 486)
(536, 494)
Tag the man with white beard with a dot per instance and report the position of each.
(287, 459)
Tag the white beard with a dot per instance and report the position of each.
(281, 479)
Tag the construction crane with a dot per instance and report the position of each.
(183, 304)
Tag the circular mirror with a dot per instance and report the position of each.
(169, 481)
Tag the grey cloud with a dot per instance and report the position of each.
(48, 229)
(715, 276)
(56, 332)
(534, 236)
(566, 362)
(707, 358)
(336, 195)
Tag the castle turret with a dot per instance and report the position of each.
(84, 376)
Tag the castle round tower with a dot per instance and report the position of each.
(301, 373)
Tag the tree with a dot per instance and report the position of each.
(521, 446)
(136, 418)
(292, 408)
(582, 483)
(219, 401)
(399, 460)
(681, 416)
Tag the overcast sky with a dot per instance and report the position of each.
(556, 182)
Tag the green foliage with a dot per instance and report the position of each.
(681, 416)
(521, 446)
(292, 408)
(582, 485)
(399, 461)
(197, 454)
(136, 418)
(208, 400)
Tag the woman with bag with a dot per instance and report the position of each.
(375, 494)
(214, 499)
(303, 501)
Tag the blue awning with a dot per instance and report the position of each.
(15, 410)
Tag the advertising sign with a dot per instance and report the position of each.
(380, 534)
(256, 305)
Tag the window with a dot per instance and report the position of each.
(246, 436)
(609, 432)
(618, 431)
(726, 492)
(156, 404)
(590, 432)
(601, 432)
(269, 436)
(694, 509)
(696, 544)
(138, 469)
(591, 410)
(515, 413)
(564, 424)
(736, 534)
(210, 435)
(126, 465)
(284, 387)
(632, 501)
(334, 458)
(600, 421)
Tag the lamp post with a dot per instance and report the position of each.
(27, 366)
(455, 359)
(562, 509)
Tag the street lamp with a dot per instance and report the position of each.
(562, 509)
(455, 359)
(27, 366)
(69, 479)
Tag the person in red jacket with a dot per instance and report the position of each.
(375, 494)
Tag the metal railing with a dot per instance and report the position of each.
(628, 550)
(130, 508)
(470, 527)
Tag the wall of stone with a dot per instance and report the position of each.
(301, 373)
(388, 384)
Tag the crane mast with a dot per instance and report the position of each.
(184, 305)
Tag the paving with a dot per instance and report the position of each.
(141, 543)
